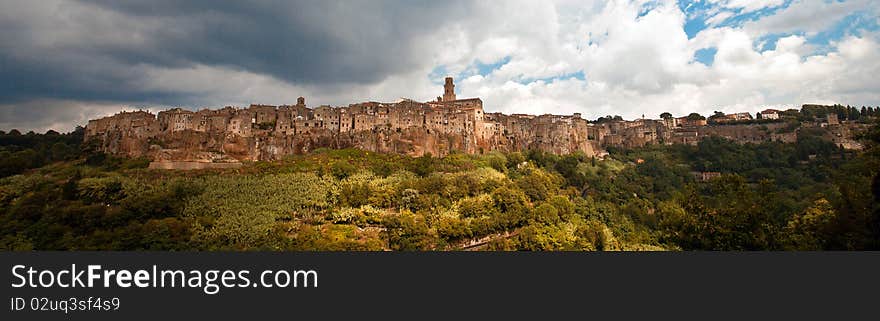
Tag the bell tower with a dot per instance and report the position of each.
(448, 90)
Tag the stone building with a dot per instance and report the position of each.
(769, 114)
(438, 127)
(176, 119)
(241, 124)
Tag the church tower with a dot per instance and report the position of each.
(448, 90)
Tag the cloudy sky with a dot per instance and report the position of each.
(63, 62)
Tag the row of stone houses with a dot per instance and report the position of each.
(446, 123)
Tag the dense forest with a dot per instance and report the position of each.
(58, 194)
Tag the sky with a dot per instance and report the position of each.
(63, 62)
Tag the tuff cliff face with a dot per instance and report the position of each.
(263, 132)
(440, 127)
(148, 138)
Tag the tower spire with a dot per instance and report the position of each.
(448, 90)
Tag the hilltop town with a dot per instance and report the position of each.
(179, 138)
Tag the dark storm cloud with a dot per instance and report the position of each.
(309, 41)
(59, 115)
(100, 50)
(72, 77)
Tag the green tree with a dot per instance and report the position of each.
(423, 165)
(537, 184)
(810, 229)
(547, 214)
(695, 116)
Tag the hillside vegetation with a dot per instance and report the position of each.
(811, 195)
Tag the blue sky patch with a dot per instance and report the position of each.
(706, 55)
(485, 69)
(575, 75)
(852, 24)
(768, 41)
(646, 8)
(693, 27)
(699, 12)
(476, 68)
(436, 76)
